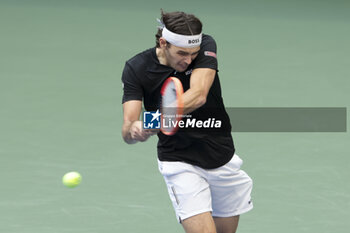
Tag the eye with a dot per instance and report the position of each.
(182, 54)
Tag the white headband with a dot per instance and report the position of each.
(183, 41)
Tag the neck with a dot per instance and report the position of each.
(161, 56)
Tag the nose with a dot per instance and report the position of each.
(188, 60)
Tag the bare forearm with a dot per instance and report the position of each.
(132, 110)
(193, 99)
(196, 96)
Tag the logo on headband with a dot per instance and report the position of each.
(195, 41)
(184, 41)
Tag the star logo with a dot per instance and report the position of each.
(151, 120)
(155, 115)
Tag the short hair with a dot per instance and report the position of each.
(179, 22)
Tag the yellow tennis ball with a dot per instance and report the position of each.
(71, 179)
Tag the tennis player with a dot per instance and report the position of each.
(207, 188)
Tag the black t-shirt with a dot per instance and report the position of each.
(143, 77)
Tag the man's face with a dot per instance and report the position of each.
(180, 58)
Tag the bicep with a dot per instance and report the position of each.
(202, 79)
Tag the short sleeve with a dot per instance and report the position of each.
(132, 89)
(207, 54)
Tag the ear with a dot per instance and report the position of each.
(162, 42)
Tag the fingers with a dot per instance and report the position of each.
(151, 131)
(138, 133)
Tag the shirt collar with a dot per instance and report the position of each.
(156, 67)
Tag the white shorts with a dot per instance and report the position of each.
(224, 191)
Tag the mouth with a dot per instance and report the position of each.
(183, 66)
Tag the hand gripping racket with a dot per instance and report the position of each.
(171, 105)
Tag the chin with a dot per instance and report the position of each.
(180, 69)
